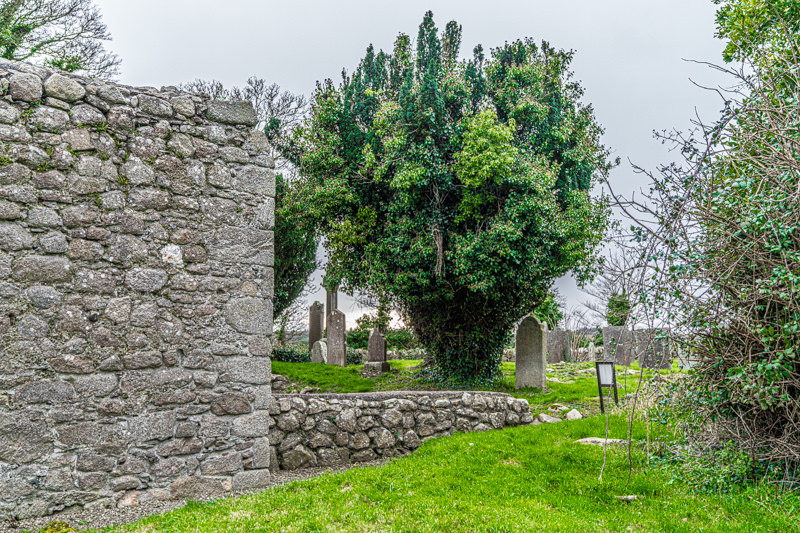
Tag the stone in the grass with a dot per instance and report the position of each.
(547, 419)
(573, 415)
(319, 352)
(599, 441)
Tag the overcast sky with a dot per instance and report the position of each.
(630, 54)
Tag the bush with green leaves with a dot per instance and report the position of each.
(295, 247)
(618, 309)
(290, 354)
(458, 189)
(726, 251)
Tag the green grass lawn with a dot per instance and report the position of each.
(520, 479)
(580, 391)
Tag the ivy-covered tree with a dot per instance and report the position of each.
(460, 189)
(295, 247)
(618, 309)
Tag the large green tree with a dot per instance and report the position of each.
(460, 189)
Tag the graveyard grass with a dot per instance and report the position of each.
(533, 478)
(579, 390)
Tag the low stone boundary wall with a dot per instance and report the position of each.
(327, 429)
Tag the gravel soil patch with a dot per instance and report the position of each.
(83, 519)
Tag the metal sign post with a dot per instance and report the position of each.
(606, 377)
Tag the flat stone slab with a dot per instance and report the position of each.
(599, 441)
(547, 419)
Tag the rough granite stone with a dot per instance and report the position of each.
(135, 286)
(63, 88)
(232, 112)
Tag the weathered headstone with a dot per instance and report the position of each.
(591, 352)
(558, 346)
(531, 356)
(617, 345)
(316, 322)
(652, 349)
(331, 305)
(337, 339)
(319, 352)
(376, 352)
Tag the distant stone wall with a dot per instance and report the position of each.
(328, 429)
(136, 279)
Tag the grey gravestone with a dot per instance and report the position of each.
(376, 352)
(319, 352)
(617, 345)
(531, 356)
(652, 349)
(331, 305)
(558, 346)
(337, 339)
(592, 352)
(316, 321)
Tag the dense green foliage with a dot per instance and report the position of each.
(518, 480)
(729, 236)
(396, 339)
(295, 247)
(549, 311)
(290, 354)
(459, 189)
(618, 309)
(751, 24)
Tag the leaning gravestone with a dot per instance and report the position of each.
(558, 346)
(617, 345)
(531, 356)
(376, 352)
(337, 339)
(316, 322)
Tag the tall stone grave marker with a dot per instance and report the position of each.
(331, 305)
(337, 339)
(376, 352)
(531, 364)
(316, 322)
(558, 346)
(617, 345)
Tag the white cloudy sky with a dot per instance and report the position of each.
(631, 55)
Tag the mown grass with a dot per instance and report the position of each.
(579, 390)
(520, 479)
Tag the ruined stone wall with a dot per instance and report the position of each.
(136, 254)
(327, 429)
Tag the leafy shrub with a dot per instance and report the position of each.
(396, 339)
(619, 308)
(401, 339)
(358, 338)
(353, 357)
(290, 354)
(722, 470)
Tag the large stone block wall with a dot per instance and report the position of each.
(136, 279)
(327, 429)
